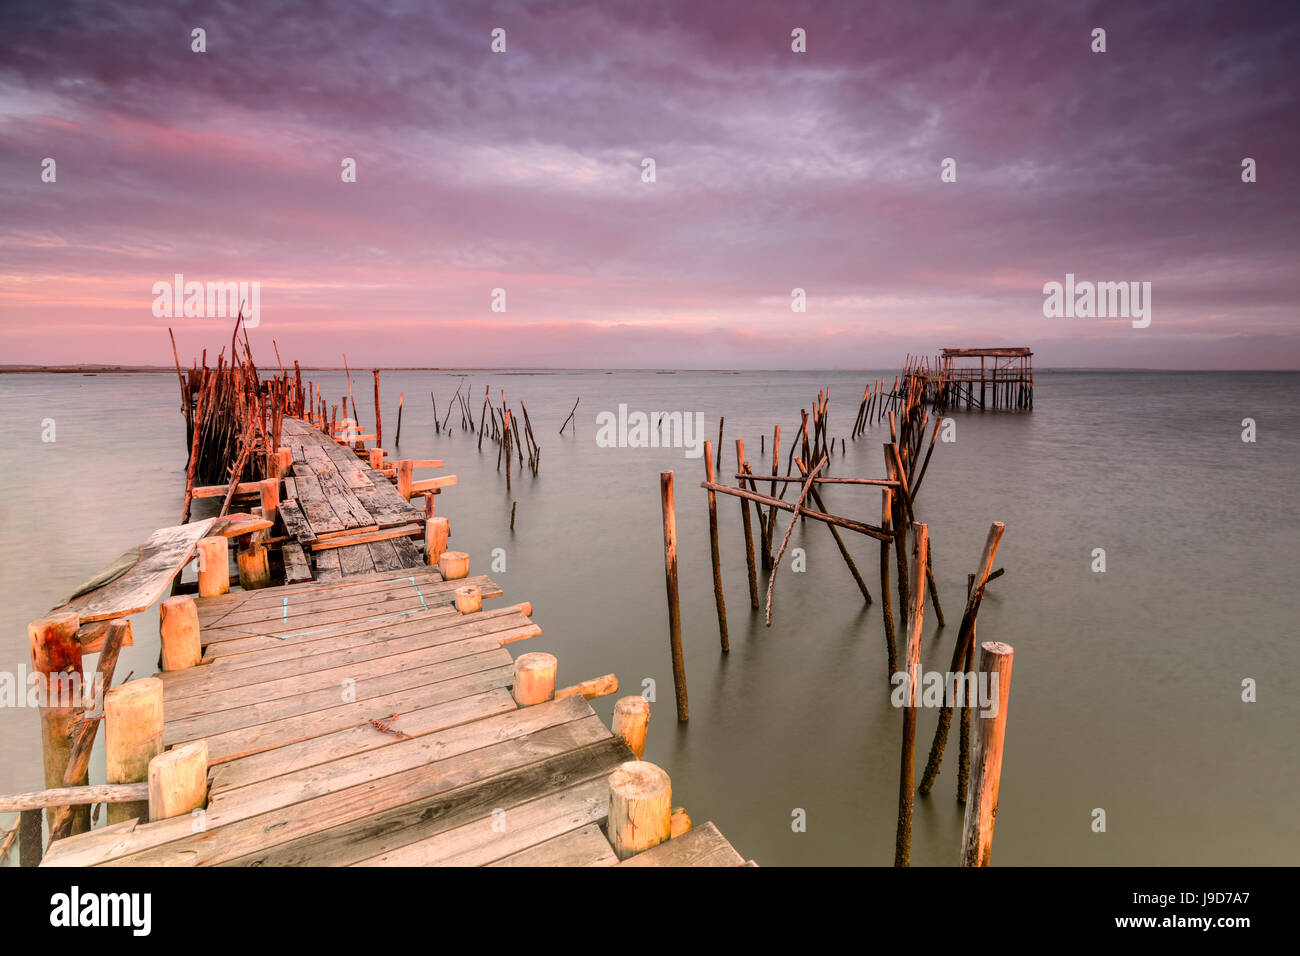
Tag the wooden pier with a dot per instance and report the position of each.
(1004, 378)
(366, 711)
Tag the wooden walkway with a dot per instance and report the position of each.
(360, 719)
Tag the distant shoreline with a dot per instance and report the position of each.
(171, 370)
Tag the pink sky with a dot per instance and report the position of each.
(775, 170)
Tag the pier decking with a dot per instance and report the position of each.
(360, 717)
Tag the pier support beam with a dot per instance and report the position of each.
(178, 780)
(534, 678)
(640, 808)
(179, 627)
(632, 721)
(214, 566)
(133, 736)
(56, 660)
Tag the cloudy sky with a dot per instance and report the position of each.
(774, 170)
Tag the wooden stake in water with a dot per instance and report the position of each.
(670, 577)
(906, 777)
(742, 466)
(713, 548)
(990, 731)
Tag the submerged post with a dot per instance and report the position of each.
(907, 769)
(713, 549)
(670, 579)
(982, 807)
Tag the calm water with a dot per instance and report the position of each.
(1126, 692)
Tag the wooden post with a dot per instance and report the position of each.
(30, 849)
(133, 735)
(534, 678)
(214, 566)
(631, 721)
(376, 455)
(254, 564)
(436, 531)
(674, 608)
(269, 490)
(907, 769)
(379, 419)
(982, 807)
(404, 470)
(741, 467)
(640, 807)
(469, 599)
(718, 599)
(454, 565)
(891, 646)
(178, 625)
(56, 662)
(286, 459)
(178, 780)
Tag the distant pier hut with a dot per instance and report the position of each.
(982, 378)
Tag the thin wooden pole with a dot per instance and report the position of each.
(990, 733)
(379, 418)
(907, 770)
(670, 577)
(714, 553)
(798, 510)
(743, 466)
(839, 542)
(401, 400)
(891, 646)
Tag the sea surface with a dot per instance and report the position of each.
(1127, 688)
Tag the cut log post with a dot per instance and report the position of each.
(591, 688)
(285, 454)
(534, 678)
(376, 456)
(254, 564)
(469, 599)
(214, 566)
(133, 735)
(907, 768)
(178, 780)
(718, 599)
(404, 472)
(454, 565)
(640, 808)
(179, 627)
(986, 768)
(631, 721)
(674, 608)
(379, 418)
(56, 664)
(436, 532)
(269, 491)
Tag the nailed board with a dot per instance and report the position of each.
(162, 557)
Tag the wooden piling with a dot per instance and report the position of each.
(254, 564)
(178, 780)
(56, 664)
(640, 808)
(379, 418)
(454, 565)
(534, 678)
(178, 625)
(214, 566)
(133, 735)
(990, 732)
(718, 599)
(631, 722)
(30, 849)
(742, 467)
(907, 769)
(670, 578)
(469, 599)
(436, 531)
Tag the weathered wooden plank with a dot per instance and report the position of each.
(369, 537)
(355, 559)
(285, 730)
(481, 841)
(210, 607)
(295, 563)
(701, 846)
(179, 731)
(288, 606)
(327, 567)
(358, 739)
(585, 846)
(319, 798)
(160, 559)
(320, 514)
(409, 553)
(296, 523)
(218, 700)
(432, 810)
